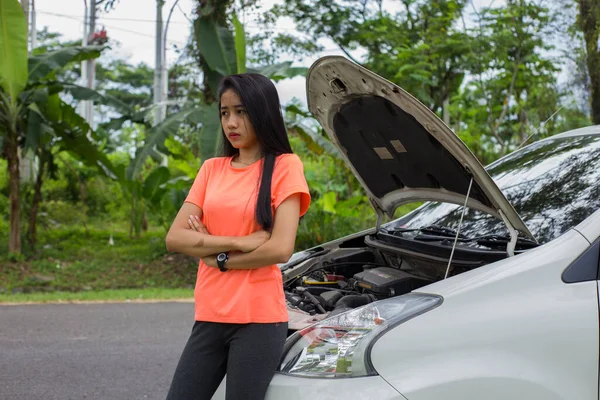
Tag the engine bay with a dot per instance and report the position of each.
(362, 270)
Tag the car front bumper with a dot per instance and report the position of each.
(295, 388)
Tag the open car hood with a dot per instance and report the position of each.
(397, 148)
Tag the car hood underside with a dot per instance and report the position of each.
(397, 148)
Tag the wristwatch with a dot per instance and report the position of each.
(221, 260)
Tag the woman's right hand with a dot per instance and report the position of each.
(246, 244)
(196, 224)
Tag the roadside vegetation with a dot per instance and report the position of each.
(84, 208)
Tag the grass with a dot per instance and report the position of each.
(77, 263)
(73, 263)
(150, 294)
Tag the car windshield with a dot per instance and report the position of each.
(553, 185)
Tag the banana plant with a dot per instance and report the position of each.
(13, 78)
(31, 111)
(224, 51)
(297, 121)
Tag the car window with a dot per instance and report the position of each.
(553, 185)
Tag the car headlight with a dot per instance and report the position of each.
(340, 346)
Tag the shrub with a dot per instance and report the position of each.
(4, 207)
(319, 226)
(63, 213)
(105, 197)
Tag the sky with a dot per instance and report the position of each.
(132, 23)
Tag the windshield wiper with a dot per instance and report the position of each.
(502, 240)
(433, 233)
(441, 231)
(318, 252)
(430, 232)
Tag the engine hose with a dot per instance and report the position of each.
(315, 301)
(353, 301)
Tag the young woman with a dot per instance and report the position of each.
(240, 218)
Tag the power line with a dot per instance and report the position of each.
(73, 17)
(78, 17)
(142, 34)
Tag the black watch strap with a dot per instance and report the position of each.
(222, 259)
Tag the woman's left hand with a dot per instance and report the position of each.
(210, 261)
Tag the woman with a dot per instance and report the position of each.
(241, 218)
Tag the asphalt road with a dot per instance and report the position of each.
(91, 351)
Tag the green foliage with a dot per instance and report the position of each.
(103, 197)
(217, 44)
(419, 48)
(301, 124)
(45, 65)
(495, 74)
(152, 188)
(140, 294)
(491, 77)
(240, 45)
(13, 45)
(31, 110)
(281, 71)
(319, 226)
(589, 23)
(4, 207)
(72, 258)
(522, 91)
(57, 212)
(3, 177)
(83, 93)
(130, 84)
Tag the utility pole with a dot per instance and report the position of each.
(164, 71)
(26, 160)
(29, 166)
(91, 64)
(29, 11)
(33, 26)
(160, 76)
(25, 7)
(84, 42)
(159, 115)
(88, 67)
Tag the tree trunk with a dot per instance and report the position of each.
(12, 152)
(589, 21)
(37, 198)
(144, 222)
(132, 217)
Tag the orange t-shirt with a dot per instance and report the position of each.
(227, 197)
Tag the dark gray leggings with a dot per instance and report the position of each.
(248, 353)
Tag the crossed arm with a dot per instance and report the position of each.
(256, 250)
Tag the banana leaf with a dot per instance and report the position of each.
(13, 48)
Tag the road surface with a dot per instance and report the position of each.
(108, 351)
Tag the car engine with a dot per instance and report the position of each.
(345, 279)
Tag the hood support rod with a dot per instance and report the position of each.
(462, 215)
(379, 216)
(510, 247)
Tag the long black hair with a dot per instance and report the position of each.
(259, 97)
